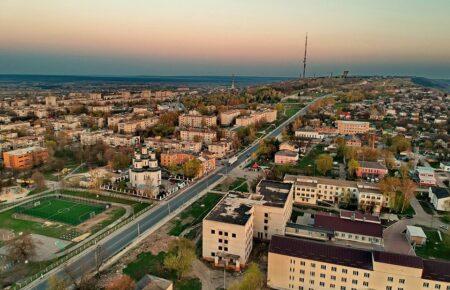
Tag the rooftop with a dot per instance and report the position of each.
(440, 192)
(335, 223)
(234, 208)
(371, 164)
(416, 231)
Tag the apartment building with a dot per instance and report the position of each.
(121, 140)
(25, 158)
(101, 109)
(370, 169)
(227, 118)
(229, 229)
(220, 149)
(91, 138)
(296, 263)
(195, 120)
(171, 144)
(265, 115)
(312, 190)
(50, 101)
(131, 127)
(352, 127)
(196, 135)
(173, 157)
(208, 164)
(15, 126)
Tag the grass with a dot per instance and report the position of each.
(239, 184)
(445, 218)
(36, 191)
(7, 221)
(194, 214)
(61, 210)
(137, 206)
(434, 247)
(308, 160)
(189, 284)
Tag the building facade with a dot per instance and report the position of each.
(25, 158)
(352, 127)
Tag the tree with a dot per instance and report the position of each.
(324, 163)
(253, 279)
(180, 256)
(57, 283)
(38, 179)
(408, 189)
(122, 282)
(389, 186)
(192, 168)
(352, 166)
(21, 249)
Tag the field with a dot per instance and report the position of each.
(61, 210)
(434, 247)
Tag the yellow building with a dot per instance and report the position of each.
(195, 120)
(352, 127)
(301, 264)
(229, 229)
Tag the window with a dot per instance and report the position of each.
(333, 277)
(401, 281)
(311, 282)
(322, 275)
(366, 275)
(426, 284)
(226, 242)
(220, 232)
(213, 232)
(366, 284)
(437, 286)
(220, 248)
(355, 282)
(323, 267)
(332, 286)
(390, 279)
(265, 228)
(301, 279)
(313, 265)
(302, 263)
(266, 221)
(213, 254)
(355, 273)
(233, 235)
(266, 214)
(344, 280)
(226, 234)
(220, 240)
(333, 269)
(302, 271)
(344, 271)
(342, 287)
(388, 287)
(312, 274)
(322, 284)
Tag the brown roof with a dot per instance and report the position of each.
(335, 223)
(436, 270)
(319, 251)
(398, 259)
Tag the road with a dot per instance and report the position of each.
(107, 248)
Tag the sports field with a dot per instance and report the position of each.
(61, 210)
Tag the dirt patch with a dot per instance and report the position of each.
(21, 216)
(154, 243)
(6, 235)
(92, 222)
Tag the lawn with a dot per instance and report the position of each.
(137, 206)
(445, 218)
(308, 161)
(435, 248)
(61, 210)
(195, 213)
(189, 284)
(7, 221)
(239, 184)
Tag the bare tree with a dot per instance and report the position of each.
(21, 249)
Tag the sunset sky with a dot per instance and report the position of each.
(221, 37)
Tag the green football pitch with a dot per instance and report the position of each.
(61, 210)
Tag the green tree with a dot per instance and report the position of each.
(253, 279)
(352, 166)
(180, 256)
(324, 163)
(192, 168)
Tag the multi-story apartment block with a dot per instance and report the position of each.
(227, 118)
(220, 149)
(25, 158)
(229, 229)
(265, 115)
(171, 144)
(102, 109)
(173, 157)
(352, 127)
(295, 263)
(50, 101)
(130, 127)
(195, 120)
(15, 126)
(197, 135)
(92, 138)
(121, 140)
(311, 190)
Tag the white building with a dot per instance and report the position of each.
(440, 198)
(145, 174)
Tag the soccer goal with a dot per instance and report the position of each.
(37, 203)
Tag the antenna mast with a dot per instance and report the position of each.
(304, 58)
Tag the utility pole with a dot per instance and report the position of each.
(304, 58)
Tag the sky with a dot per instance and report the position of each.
(223, 37)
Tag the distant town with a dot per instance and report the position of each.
(315, 183)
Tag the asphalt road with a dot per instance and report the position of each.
(110, 246)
